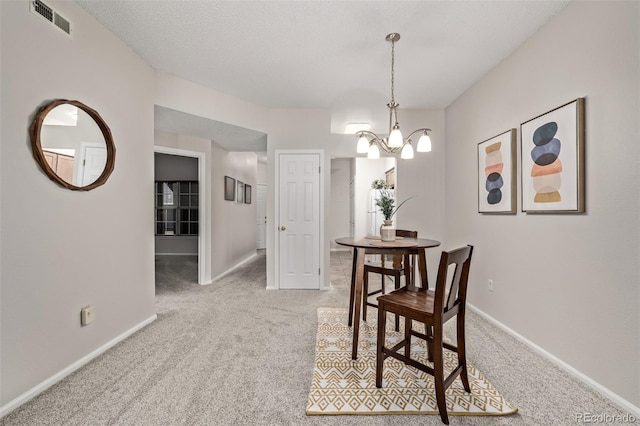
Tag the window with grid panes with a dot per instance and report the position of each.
(176, 208)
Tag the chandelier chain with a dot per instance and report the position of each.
(393, 56)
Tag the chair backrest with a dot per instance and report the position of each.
(406, 234)
(397, 260)
(455, 288)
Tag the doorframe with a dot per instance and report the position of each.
(276, 255)
(202, 206)
(266, 196)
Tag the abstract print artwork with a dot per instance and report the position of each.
(553, 160)
(496, 174)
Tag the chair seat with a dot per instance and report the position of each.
(416, 303)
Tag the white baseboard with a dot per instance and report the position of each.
(176, 254)
(606, 392)
(41, 387)
(233, 268)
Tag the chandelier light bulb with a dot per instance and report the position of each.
(424, 143)
(395, 137)
(374, 151)
(363, 145)
(407, 151)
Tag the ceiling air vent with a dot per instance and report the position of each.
(41, 9)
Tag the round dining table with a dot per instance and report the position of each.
(373, 245)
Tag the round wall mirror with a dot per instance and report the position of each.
(73, 145)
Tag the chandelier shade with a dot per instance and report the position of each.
(371, 144)
(424, 143)
(373, 152)
(363, 145)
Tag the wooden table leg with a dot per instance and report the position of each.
(408, 278)
(353, 286)
(357, 299)
(424, 284)
(422, 260)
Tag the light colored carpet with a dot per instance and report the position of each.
(232, 353)
(341, 385)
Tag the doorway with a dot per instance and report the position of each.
(352, 201)
(201, 211)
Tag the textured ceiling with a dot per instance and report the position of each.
(322, 54)
(326, 54)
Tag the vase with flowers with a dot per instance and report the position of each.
(386, 203)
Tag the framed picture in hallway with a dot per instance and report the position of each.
(239, 192)
(229, 188)
(497, 174)
(552, 149)
(247, 194)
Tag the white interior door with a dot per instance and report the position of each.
(299, 221)
(261, 216)
(94, 160)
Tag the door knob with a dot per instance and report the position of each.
(283, 228)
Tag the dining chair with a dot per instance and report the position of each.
(401, 265)
(433, 308)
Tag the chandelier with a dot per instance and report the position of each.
(370, 143)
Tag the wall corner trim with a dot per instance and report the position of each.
(44, 385)
(606, 392)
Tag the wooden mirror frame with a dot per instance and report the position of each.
(36, 145)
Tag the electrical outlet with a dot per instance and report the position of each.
(490, 285)
(87, 314)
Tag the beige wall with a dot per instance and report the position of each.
(62, 249)
(182, 95)
(339, 201)
(568, 283)
(262, 173)
(233, 237)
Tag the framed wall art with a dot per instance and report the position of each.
(229, 188)
(552, 149)
(497, 174)
(247, 194)
(239, 192)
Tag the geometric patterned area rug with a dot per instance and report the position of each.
(342, 386)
